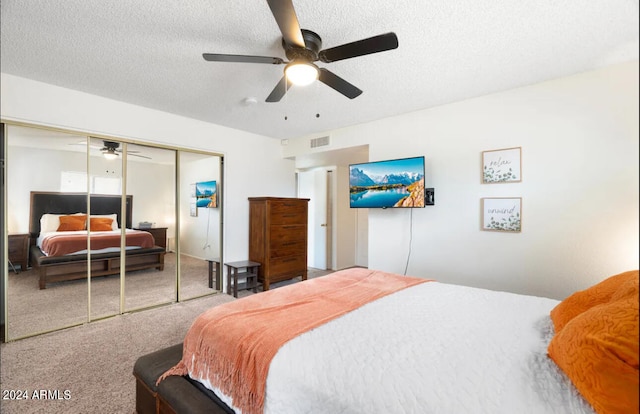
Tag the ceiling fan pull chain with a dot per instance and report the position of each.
(286, 97)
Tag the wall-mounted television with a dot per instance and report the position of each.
(395, 183)
(206, 194)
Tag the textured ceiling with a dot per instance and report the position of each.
(149, 53)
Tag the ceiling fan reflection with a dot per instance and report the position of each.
(112, 150)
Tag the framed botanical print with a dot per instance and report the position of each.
(502, 214)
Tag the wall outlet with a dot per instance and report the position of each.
(429, 196)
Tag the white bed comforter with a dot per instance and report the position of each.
(432, 348)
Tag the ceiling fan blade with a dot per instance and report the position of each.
(84, 144)
(218, 57)
(362, 47)
(280, 90)
(334, 81)
(139, 156)
(287, 20)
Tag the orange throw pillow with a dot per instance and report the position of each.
(628, 289)
(100, 224)
(584, 300)
(72, 223)
(598, 350)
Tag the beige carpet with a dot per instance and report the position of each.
(64, 304)
(92, 364)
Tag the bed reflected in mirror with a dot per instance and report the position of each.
(40, 160)
(162, 238)
(106, 171)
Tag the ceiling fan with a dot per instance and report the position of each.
(303, 47)
(112, 150)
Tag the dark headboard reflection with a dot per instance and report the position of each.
(71, 203)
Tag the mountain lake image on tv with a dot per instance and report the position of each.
(207, 194)
(387, 184)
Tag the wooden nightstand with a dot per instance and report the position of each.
(19, 250)
(250, 273)
(159, 234)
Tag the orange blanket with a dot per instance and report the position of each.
(232, 345)
(61, 244)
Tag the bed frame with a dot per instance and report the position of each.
(57, 269)
(175, 394)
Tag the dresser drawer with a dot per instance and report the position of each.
(288, 213)
(289, 248)
(288, 264)
(286, 234)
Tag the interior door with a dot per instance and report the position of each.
(313, 185)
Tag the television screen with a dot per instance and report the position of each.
(387, 184)
(206, 194)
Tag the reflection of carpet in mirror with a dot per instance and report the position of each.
(31, 310)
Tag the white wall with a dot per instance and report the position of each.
(35, 102)
(579, 139)
(22, 178)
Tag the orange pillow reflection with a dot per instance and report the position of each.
(100, 224)
(72, 223)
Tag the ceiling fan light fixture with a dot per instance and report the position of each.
(301, 73)
(110, 155)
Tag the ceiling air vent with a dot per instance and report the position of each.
(319, 142)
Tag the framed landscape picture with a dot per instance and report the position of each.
(502, 214)
(502, 166)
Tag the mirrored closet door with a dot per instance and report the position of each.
(40, 163)
(104, 226)
(200, 223)
(160, 206)
(151, 177)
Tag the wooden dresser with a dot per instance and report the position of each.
(278, 237)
